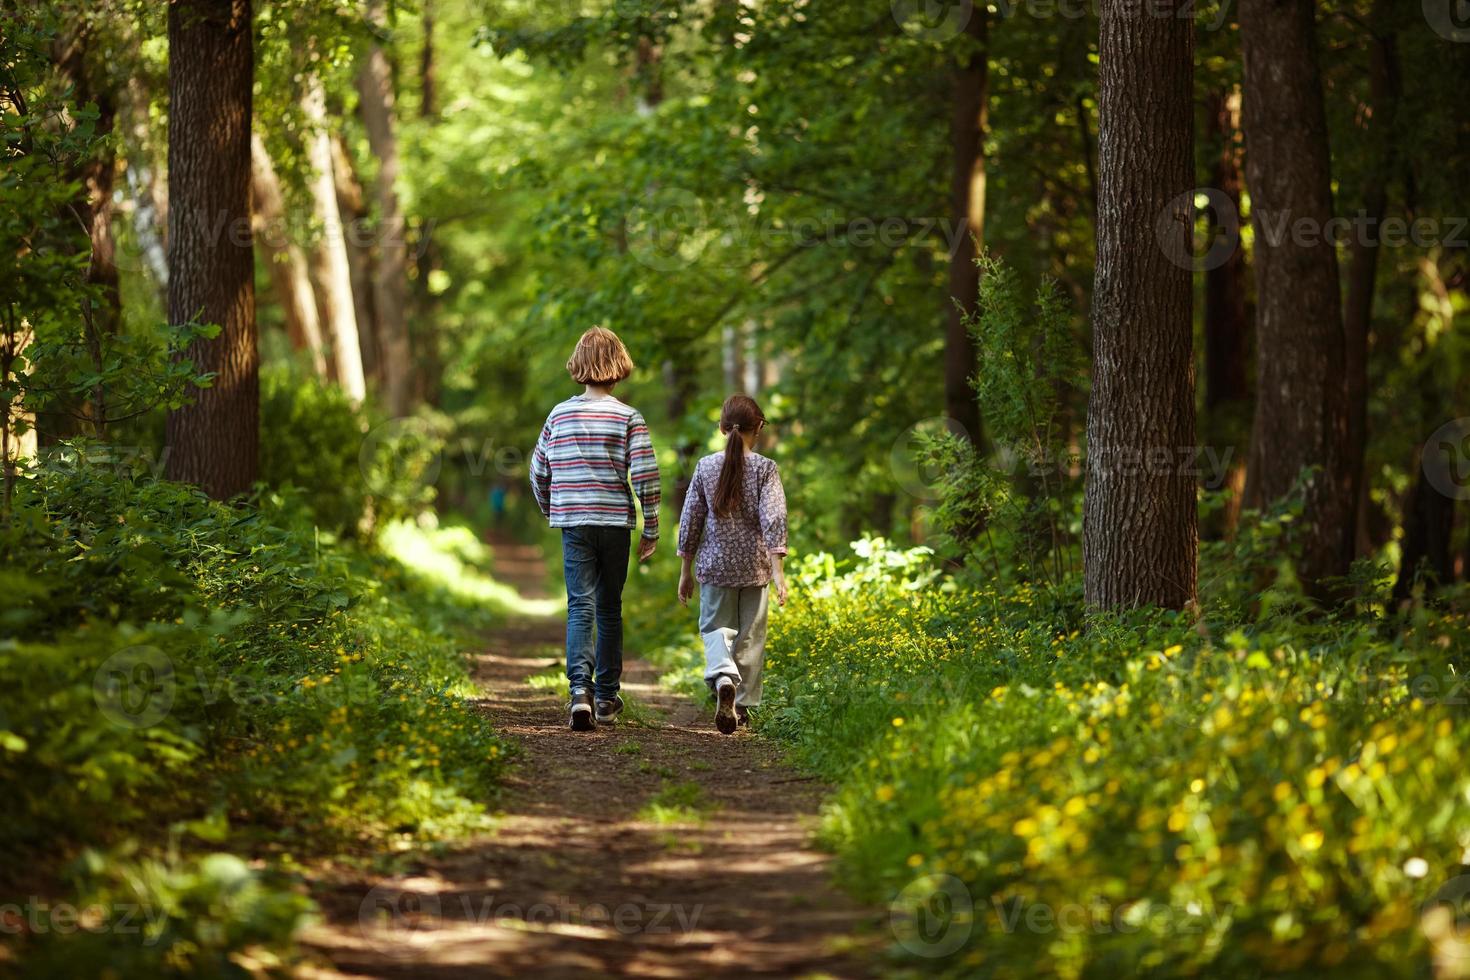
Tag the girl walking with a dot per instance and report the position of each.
(732, 537)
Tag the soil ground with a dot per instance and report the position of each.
(653, 848)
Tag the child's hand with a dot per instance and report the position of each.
(646, 547)
(781, 591)
(686, 586)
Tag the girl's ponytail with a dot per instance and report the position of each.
(739, 415)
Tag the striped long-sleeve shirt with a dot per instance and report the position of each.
(590, 450)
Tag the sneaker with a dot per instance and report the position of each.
(581, 713)
(608, 710)
(725, 707)
(742, 716)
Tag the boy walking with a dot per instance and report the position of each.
(594, 455)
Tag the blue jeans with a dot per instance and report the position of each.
(595, 562)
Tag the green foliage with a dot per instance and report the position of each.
(354, 472)
(1020, 490)
(1141, 793)
(174, 661)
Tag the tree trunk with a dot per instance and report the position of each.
(214, 442)
(967, 208)
(353, 208)
(1383, 94)
(428, 79)
(390, 273)
(1429, 519)
(330, 269)
(92, 210)
(284, 260)
(1140, 544)
(1301, 417)
(1226, 315)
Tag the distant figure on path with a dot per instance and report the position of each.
(732, 537)
(591, 447)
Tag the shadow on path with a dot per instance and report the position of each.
(655, 848)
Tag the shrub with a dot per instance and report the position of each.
(1139, 794)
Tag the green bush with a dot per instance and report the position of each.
(1145, 794)
(354, 471)
(176, 662)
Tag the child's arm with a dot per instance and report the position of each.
(686, 580)
(541, 472)
(773, 529)
(643, 474)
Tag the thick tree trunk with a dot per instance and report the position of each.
(284, 260)
(1301, 417)
(1383, 95)
(352, 206)
(390, 273)
(967, 209)
(1227, 324)
(330, 268)
(214, 442)
(1140, 543)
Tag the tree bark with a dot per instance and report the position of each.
(390, 273)
(1140, 542)
(1383, 95)
(284, 260)
(967, 208)
(332, 274)
(215, 441)
(1429, 520)
(1301, 417)
(1227, 324)
(352, 205)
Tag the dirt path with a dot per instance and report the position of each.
(657, 848)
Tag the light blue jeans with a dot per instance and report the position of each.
(732, 622)
(595, 563)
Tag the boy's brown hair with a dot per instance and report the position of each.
(599, 359)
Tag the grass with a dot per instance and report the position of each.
(677, 802)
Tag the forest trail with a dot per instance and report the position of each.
(656, 848)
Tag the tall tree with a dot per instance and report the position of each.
(1227, 324)
(1301, 417)
(285, 262)
(1140, 541)
(1382, 108)
(331, 271)
(971, 105)
(390, 273)
(215, 441)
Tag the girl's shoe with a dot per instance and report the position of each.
(742, 716)
(580, 718)
(725, 706)
(608, 711)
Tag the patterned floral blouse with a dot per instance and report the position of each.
(734, 551)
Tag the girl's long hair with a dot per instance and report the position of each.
(739, 415)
